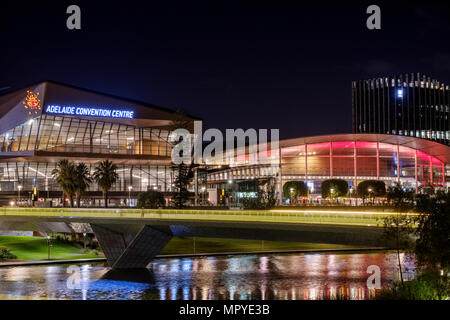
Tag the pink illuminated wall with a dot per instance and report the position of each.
(371, 160)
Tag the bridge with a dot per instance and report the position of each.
(131, 238)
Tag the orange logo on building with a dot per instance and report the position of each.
(32, 102)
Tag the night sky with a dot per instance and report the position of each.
(248, 65)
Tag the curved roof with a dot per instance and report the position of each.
(13, 113)
(438, 150)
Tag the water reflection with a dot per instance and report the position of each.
(290, 276)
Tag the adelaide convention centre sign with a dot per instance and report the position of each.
(86, 111)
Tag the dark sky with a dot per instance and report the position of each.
(240, 65)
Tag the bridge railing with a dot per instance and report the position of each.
(325, 216)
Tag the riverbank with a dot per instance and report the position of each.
(36, 249)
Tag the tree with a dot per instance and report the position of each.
(429, 285)
(268, 192)
(400, 227)
(266, 195)
(82, 180)
(433, 231)
(294, 189)
(333, 188)
(150, 199)
(182, 177)
(64, 174)
(105, 175)
(371, 189)
(182, 172)
(402, 199)
(398, 230)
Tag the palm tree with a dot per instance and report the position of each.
(82, 180)
(64, 174)
(105, 175)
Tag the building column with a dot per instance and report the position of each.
(355, 167)
(378, 160)
(306, 162)
(415, 172)
(398, 163)
(331, 159)
(443, 176)
(195, 186)
(431, 172)
(280, 178)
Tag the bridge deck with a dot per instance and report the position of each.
(320, 216)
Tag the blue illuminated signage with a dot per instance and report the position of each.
(86, 111)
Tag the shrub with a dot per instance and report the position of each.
(252, 203)
(339, 186)
(378, 188)
(151, 199)
(427, 286)
(294, 189)
(5, 253)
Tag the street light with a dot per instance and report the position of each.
(19, 187)
(48, 246)
(203, 194)
(370, 193)
(129, 195)
(292, 195)
(84, 236)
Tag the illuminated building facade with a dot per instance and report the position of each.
(46, 122)
(411, 105)
(413, 162)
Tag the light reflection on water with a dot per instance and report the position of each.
(273, 276)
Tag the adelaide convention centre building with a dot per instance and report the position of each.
(49, 121)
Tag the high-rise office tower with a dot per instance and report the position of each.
(410, 104)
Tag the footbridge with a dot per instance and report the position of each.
(131, 238)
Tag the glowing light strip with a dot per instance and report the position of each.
(341, 212)
(38, 172)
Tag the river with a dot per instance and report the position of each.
(240, 277)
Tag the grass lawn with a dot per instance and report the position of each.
(210, 245)
(35, 248)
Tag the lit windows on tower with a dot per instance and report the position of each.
(399, 93)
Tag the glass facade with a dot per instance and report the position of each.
(67, 134)
(49, 136)
(39, 175)
(353, 161)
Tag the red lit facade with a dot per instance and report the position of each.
(413, 162)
